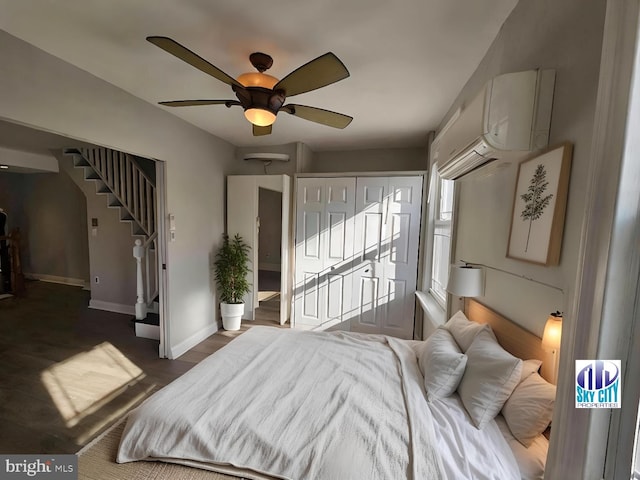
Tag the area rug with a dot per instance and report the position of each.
(96, 461)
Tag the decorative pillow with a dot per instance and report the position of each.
(489, 378)
(529, 409)
(463, 330)
(529, 367)
(442, 364)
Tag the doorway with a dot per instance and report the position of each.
(69, 233)
(269, 254)
(245, 196)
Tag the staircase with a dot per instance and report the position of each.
(127, 188)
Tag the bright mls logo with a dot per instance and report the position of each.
(598, 384)
(50, 467)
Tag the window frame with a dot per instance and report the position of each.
(438, 223)
(437, 304)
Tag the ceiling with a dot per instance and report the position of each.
(408, 59)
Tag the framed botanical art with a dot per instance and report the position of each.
(539, 204)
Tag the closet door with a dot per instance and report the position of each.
(387, 233)
(324, 250)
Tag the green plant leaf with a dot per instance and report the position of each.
(232, 268)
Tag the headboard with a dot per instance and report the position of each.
(513, 338)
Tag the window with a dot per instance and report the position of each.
(441, 239)
(442, 216)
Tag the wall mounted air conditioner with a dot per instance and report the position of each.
(506, 120)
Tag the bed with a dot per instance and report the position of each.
(337, 405)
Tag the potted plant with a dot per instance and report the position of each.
(232, 267)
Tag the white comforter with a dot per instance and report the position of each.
(294, 405)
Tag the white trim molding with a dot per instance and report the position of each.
(186, 345)
(112, 307)
(433, 315)
(76, 282)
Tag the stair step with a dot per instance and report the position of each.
(136, 230)
(113, 201)
(79, 161)
(148, 327)
(152, 319)
(102, 187)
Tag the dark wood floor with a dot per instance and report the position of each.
(68, 372)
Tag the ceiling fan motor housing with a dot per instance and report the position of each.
(258, 97)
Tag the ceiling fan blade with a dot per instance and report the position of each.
(259, 131)
(193, 103)
(322, 71)
(318, 115)
(186, 55)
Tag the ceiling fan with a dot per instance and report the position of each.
(262, 96)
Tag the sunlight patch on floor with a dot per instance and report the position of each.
(82, 384)
(265, 295)
(91, 431)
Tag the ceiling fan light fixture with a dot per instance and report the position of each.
(262, 96)
(260, 116)
(257, 79)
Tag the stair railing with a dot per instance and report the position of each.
(128, 183)
(147, 276)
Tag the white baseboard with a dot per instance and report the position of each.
(76, 282)
(269, 267)
(112, 307)
(192, 341)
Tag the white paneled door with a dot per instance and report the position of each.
(357, 253)
(324, 250)
(387, 234)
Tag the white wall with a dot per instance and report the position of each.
(109, 250)
(43, 92)
(380, 160)
(52, 217)
(567, 37)
(28, 160)
(270, 233)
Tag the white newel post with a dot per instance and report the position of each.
(141, 306)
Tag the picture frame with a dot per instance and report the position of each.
(539, 205)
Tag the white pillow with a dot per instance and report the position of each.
(463, 330)
(417, 346)
(489, 378)
(529, 409)
(442, 364)
(529, 367)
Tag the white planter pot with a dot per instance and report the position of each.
(231, 315)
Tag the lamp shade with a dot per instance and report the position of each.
(260, 116)
(552, 332)
(466, 281)
(257, 79)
